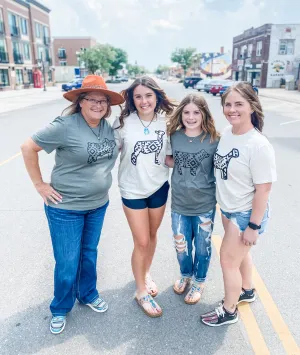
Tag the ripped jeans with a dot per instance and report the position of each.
(197, 229)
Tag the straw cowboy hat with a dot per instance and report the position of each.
(95, 83)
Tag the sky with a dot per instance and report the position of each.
(150, 30)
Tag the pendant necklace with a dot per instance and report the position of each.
(97, 135)
(146, 129)
(191, 139)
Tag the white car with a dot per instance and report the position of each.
(200, 85)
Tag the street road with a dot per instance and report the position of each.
(269, 326)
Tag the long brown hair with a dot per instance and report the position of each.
(246, 90)
(163, 104)
(75, 106)
(207, 124)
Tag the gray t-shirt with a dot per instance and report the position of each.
(83, 164)
(193, 182)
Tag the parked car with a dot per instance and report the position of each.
(217, 86)
(191, 81)
(208, 86)
(201, 84)
(123, 78)
(226, 86)
(74, 84)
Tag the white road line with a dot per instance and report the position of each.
(283, 123)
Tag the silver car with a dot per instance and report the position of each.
(201, 84)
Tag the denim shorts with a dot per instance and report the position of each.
(241, 219)
(156, 200)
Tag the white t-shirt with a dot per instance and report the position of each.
(241, 161)
(142, 169)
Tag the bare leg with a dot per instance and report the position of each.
(246, 272)
(232, 253)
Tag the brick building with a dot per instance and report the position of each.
(25, 43)
(66, 55)
(268, 55)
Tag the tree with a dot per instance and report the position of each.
(99, 57)
(184, 57)
(134, 69)
(161, 69)
(116, 64)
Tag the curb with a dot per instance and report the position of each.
(279, 98)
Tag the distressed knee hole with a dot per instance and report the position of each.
(205, 225)
(180, 243)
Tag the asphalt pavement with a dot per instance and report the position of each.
(269, 326)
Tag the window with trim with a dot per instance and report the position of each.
(1, 21)
(26, 47)
(286, 46)
(4, 79)
(19, 76)
(30, 76)
(37, 30)
(62, 63)
(259, 48)
(24, 27)
(235, 53)
(62, 53)
(13, 25)
(249, 53)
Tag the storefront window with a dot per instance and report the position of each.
(4, 80)
(19, 76)
(30, 76)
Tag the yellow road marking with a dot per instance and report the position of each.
(11, 158)
(255, 336)
(277, 321)
(271, 309)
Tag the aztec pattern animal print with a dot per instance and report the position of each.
(148, 147)
(222, 162)
(190, 161)
(97, 150)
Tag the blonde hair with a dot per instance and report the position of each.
(207, 124)
(246, 90)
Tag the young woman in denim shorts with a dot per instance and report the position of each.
(244, 169)
(194, 140)
(140, 133)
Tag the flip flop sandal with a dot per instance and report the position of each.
(182, 285)
(194, 293)
(151, 287)
(148, 299)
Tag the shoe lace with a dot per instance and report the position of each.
(220, 311)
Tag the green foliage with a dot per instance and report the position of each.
(120, 58)
(162, 69)
(134, 69)
(183, 56)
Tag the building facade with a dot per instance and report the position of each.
(66, 52)
(267, 56)
(25, 43)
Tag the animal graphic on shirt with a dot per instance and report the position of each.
(148, 147)
(97, 150)
(222, 162)
(191, 161)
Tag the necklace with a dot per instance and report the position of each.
(146, 129)
(97, 135)
(191, 139)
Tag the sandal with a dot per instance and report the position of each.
(154, 306)
(194, 294)
(151, 286)
(181, 285)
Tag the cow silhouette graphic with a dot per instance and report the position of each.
(148, 147)
(222, 162)
(97, 150)
(191, 161)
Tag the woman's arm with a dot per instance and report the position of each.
(169, 161)
(30, 152)
(259, 205)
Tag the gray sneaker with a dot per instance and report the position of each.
(57, 324)
(98, 305)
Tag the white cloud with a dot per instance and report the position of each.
(165, 25)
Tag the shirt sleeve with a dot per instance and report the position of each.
(169, 147)
(263, 166)
(118, 133)
(52, 136)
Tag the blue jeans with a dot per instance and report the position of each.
(75, 236)
(198, 229)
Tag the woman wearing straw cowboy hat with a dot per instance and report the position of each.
(77, 196)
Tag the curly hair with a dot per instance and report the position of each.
(246, 90)
(207, 124)
(164, 104)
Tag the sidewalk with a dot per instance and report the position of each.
(281, 94)
(17, 99)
